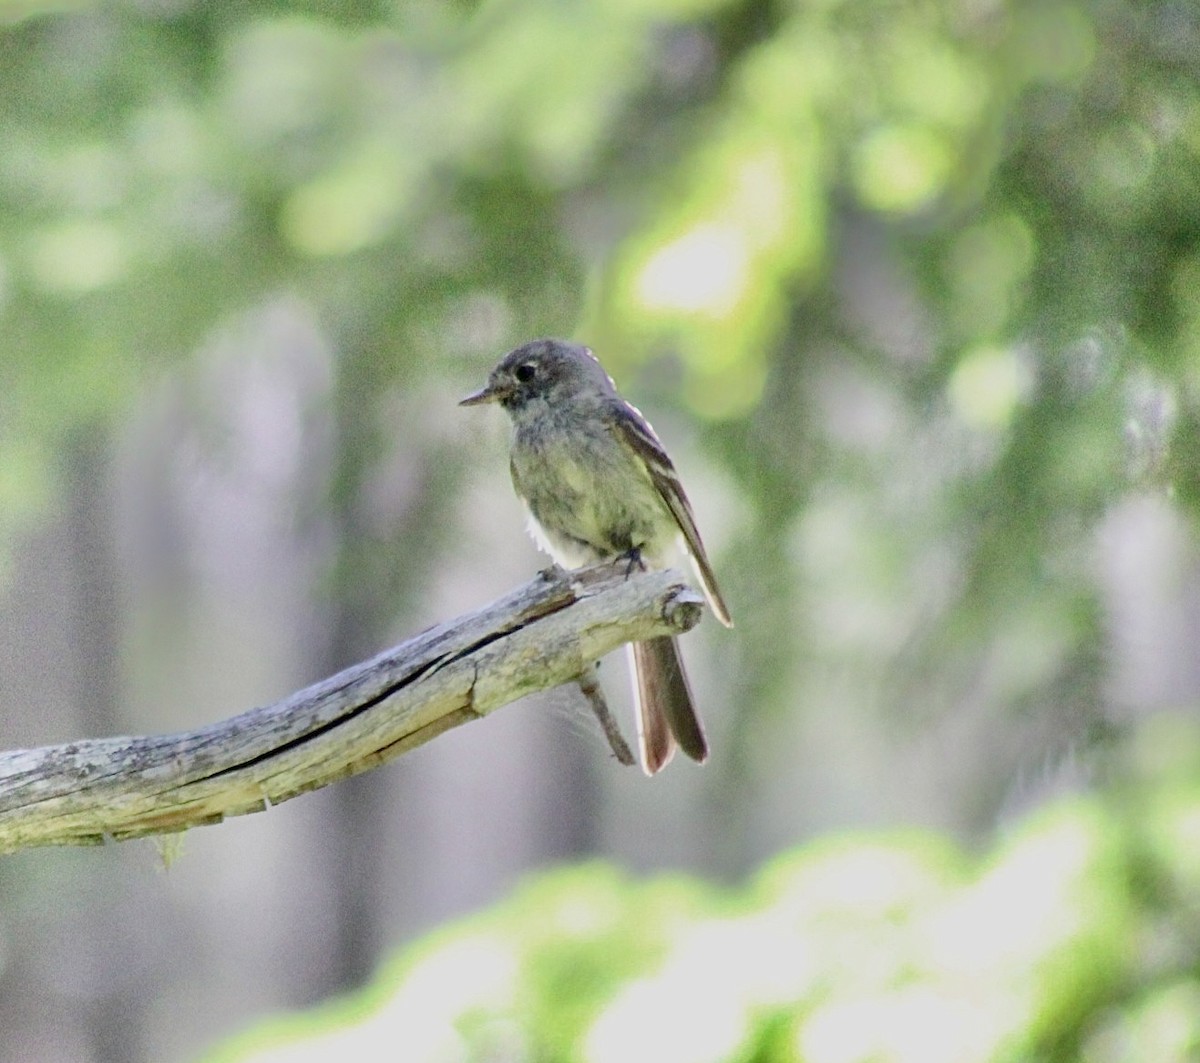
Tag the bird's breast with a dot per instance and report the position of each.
(586, 493)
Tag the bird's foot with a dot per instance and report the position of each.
(632, 559)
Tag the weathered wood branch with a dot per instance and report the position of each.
(547, 632)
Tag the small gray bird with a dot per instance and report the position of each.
(598, 486)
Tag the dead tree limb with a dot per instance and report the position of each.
(547, 632)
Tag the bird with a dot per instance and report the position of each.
(597, 485)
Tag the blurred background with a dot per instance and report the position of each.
(910, 290)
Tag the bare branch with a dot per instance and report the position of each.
(590, 686)
(545, 633)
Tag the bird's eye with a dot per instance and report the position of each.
(525, 372)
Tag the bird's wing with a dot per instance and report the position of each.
(635, 433)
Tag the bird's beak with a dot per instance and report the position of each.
(488, 393)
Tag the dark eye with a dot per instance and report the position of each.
(525, 372)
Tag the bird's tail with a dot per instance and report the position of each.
(666, 713)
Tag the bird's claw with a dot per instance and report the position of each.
(632, 559)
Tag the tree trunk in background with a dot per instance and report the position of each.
(118, 988)
(352, 849)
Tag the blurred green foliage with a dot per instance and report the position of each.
(1073, 942)
(1034, 164)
